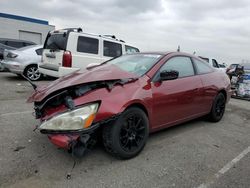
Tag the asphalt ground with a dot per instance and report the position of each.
(195, 154)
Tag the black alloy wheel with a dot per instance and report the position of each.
(127, 136)
(132, 132)
(218, 108)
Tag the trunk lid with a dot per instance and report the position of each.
(54, 47)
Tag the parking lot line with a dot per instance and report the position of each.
(16, 113)
(227, 167)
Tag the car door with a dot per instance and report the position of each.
(176, 100)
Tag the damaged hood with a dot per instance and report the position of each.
(107, 72)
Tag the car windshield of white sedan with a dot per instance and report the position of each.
(137, 64)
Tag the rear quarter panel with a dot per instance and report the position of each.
(213, 83)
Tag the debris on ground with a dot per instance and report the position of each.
(18, 148)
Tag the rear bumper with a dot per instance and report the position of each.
(13, 66)
(55, 71)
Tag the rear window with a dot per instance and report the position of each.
(28, 43)
(15, 44)
(112, 49)
(56, 42)
(131, 49)
(87, 45)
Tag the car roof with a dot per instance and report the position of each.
(72, 30)
(169, 52)
(18, 40)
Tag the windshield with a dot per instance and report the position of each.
(137, 64)
(56, 42)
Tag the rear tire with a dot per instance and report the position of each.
(127, 136)
(218, 108)
(32, 73)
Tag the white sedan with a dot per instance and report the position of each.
(24, 61)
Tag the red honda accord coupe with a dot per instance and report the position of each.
(126, 98)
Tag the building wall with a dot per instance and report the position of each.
(18, 29)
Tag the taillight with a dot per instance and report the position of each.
(67, 59)
(11, 55)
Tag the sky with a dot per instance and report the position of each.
(213, 28)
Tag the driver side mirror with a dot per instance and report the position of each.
(169, 75)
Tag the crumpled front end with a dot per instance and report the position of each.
(71, 116)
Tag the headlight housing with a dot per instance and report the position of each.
(77, 119)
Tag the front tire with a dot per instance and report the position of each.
(127, 136)
(218, 108)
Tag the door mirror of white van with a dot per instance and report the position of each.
(91, 65)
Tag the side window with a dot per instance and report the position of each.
(87, 45)
(130, 49)
(215, 64)
(15, 44)
(39, 51)
(181, 64)
(202, 67)
(112, 49)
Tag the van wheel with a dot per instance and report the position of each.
(32, 73)
(127, 136)
(218, 108)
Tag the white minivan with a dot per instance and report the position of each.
(68, 50)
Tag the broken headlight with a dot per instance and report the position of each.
(77, 119)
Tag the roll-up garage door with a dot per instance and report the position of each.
(31, 36)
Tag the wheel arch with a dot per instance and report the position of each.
(138, 105)
(223, 91)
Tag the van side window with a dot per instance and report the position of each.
(130, 49)
(112, 49)
(87, 45)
